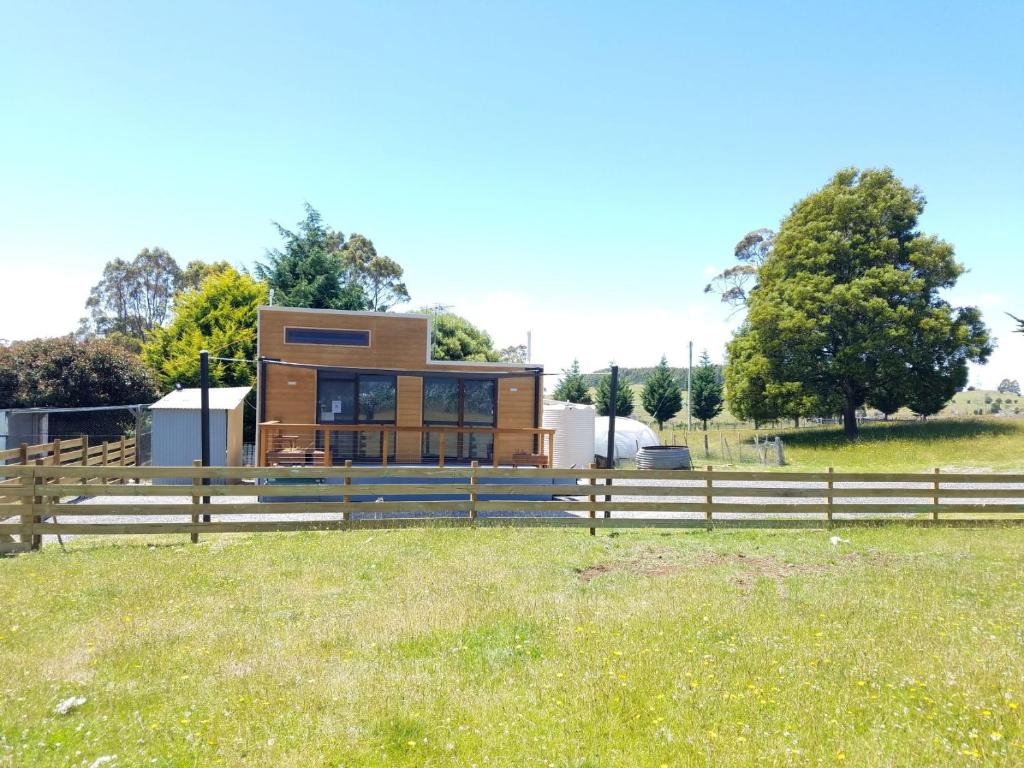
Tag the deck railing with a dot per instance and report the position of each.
(323, 445)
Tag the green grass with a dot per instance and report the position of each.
(969, 444)
(986, 444)
(506, 647)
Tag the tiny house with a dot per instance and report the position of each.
(336, 386)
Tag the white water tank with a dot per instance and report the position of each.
(574, 433)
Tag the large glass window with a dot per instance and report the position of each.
(459, 402)
(356, 399)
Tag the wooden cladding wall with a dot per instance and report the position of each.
(396, 341)
(516, 408)
(409, 414)
(290, 395)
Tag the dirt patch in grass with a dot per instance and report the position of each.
(749, 568)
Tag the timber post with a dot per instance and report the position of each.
(36, 541)
(85, 456)
(593, 497)
(345, 514)
(196, 488)
(709, 499)
(935, 498)
(473, 481)
(828, 498)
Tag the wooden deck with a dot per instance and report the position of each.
(325, 445)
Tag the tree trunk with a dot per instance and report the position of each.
(849, 417)
(796, 422)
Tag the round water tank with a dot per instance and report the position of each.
(574, 433)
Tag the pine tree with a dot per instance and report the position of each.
(661, 394)
(603, 396)
(706, 393)
(572, 388)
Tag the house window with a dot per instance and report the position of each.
(344, 398)
(452, 401)
(332, 336)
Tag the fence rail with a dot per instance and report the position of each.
(413, 496)
(59, 457)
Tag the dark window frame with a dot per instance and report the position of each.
(461, 421)
(327, 375)
(337, 337)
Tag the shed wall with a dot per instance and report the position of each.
(177, 436)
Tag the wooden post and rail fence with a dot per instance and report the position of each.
(77, 452)
(398, 497)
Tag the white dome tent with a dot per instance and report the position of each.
(630, 436)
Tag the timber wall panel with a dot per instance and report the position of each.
(516, 405)
(409, 414)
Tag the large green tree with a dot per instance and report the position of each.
(308, 270)
(65, 372)
(572, 387)
(849, 299)
(379, 277)
(661, 395)
(133, 297)
(706, 397)
(453, 337)
(624, 404)
(220, 317)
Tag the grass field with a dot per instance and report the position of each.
(963, 404)
(510, 648)
(990, 444)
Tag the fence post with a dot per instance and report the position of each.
(27, 481)
(37, 500)
(124, 463)
(935, 498)
(104, 460)
(709, 499)
(828, 498)
(346, 515)
(196, 488)
(85, 457)
(440, 449)
(593, 497)
(384, 447)
(328, 459)
(23, 454)
(473, 480)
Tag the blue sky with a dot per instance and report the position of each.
(577, 169)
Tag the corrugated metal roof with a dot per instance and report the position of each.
(221, 399)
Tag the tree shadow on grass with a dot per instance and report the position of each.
(925, 431)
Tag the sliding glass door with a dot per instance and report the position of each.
(356, 399)
(454, 401)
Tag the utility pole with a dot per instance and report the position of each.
(689, 400)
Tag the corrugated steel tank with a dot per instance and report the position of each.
(574, 433)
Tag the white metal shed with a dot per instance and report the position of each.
(176, 428)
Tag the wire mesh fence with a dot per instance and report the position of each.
(35, 426)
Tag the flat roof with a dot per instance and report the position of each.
(221, 399)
